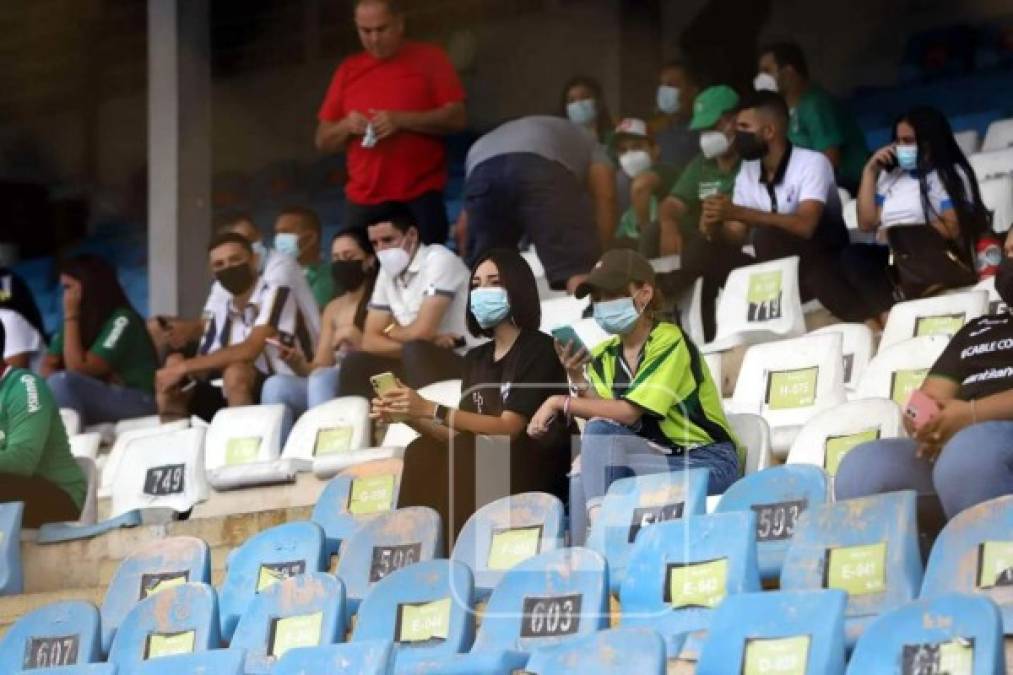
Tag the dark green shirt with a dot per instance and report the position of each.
(124, 344)
(33, 441)
(687, 189)
(819, 122)
(628, 226)
(321, 282)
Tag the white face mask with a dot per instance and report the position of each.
(713, 143)
(393, 261)
(635, 162)
(765, 82)
(668, 99)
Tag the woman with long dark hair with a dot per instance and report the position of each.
(583, 103)
(101, 363)
(20, 317)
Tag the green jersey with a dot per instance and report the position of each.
(321, 282)
(124, 344)
(819, 122)
(33, 441)
(628, 226)
(701, 175)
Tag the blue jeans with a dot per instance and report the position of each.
(974, 466)
(97, 401)
(299, 394)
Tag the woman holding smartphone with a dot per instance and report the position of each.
(506, 380)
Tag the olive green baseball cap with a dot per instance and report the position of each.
(711, 104)
(616, 270)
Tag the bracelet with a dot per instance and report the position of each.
(566, 407)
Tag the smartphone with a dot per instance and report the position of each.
(891, 164)
(284, 340)
(383, 383)
(921, 408)
(163, 323)
(566, 335)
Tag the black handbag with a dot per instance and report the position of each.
(925, 263)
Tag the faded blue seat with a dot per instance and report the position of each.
(946, 634)
(385, 544)
(156, 566)
(777, 496)
(264, 559)
(867, 547)
(84, 669)
(331, 512)
(370, 657)
(634, 503)
(60, 634)
(681, 569)
(54, 533)
(306, 610)
(179, 620)
(606, 652)
(548, 599)
(425, 609)
(505, 532)
(214, 662)
(11, 581)
(802, 630)
(974, 554)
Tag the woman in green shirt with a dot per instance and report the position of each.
(101, 363)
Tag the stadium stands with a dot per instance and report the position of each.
(60, 634)
(632, 650)
(330, 437)
(941, 315)
(11, 582)
(372, 657)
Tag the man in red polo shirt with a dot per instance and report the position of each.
(386, 107)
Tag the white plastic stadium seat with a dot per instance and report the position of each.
(121, 447)
(856, 346)
(997, 195)
(541, 282)
(329, 437)
(849, 210)
(995, 303)
(85, 445)
(968, 140)
(759, 303)
(163, 472)
(844, 195)
(89, 510)
(135, 423)
(715, 364)
(666, 263)
(754, 433)
(897, 370)
(563, 311)
(242, 446)
(939, 315)
(690, 305)
(71, 421)
(790, 381)
(998, 135)
(992, 164)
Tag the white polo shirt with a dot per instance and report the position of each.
(21, 336)
(898, 194)
(433, 271)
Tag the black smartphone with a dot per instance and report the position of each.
(891, 164)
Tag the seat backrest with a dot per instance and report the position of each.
(502, 533)
(179, 620)
(778, 496)
(680, 570)
(974, 554)
(374, 657)
(856, 348)
(59, 634)
(546, 599)
(563, 311)
(991, 164)
(71, 421)
(215, 661)
(11, 581)
(122, 446)
(968, 140)
(425, 609)
(447, 392)
(265, 559)
(827, 437)
(83, 669)
(153, 568)
(995, 303)
(384, 544)
(165, 471)
(950, 633)
(754, 433)
(634, 504)
(939, 315)
(800, 631)
(898, 370)
(243, 435)
(89, 510)
(867, 547)
(85, 445)
(617, 650)
(339, 425)
(134, 423)
(849, 210)
(690, 305)
(347, 501)
(306, 610)
(999, 135)
(760, 302)
(997, 196)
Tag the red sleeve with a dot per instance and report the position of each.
(333, 107)
(443, 78)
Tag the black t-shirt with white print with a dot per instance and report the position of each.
(979, 357)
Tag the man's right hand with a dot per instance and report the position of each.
(356, 123)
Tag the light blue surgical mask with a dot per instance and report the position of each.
(261, 251)
(490, 306)
(907, 156)
(616, 317)
(668, 99)
(582, 112)
(287, 243)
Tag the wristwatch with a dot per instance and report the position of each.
(441, 414)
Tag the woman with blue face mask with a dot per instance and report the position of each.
(583, 103)
(649, 400)
(505, 382)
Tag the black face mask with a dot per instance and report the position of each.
(1004, 281)
(749, 145)
(236, 279)
(348, 275)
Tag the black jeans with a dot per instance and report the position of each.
(421, 363)
(848, 283)
(45, 502)
(428, 209)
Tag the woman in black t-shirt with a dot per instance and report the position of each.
(506, 380)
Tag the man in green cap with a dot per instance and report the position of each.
(684, 227)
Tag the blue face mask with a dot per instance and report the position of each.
(907, 156)
(490, 306)
(287, 243)
(582, 112)
(616, 317)
(668, 99)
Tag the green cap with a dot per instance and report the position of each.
(711, 104)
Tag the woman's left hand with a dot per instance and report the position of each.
(405, 401)
(542, 420)
(953, 416)
(71, 296)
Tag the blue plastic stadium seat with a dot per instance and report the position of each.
(331, 511)
(11, 582)
(214, 662)
(178, 620)
(503, 533)
(606, 652)
(84, 669)
(545, 600)
(307, 610)
(60, 634)
(266, 558)
(425, 609)
(867, 546)
(777, 496)
(632, 504)
(681, 569)
(54, 533)
(372, 657)
(156, 566)
(385, 544)
(800, 631)
(974, 554)
(950, 633)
